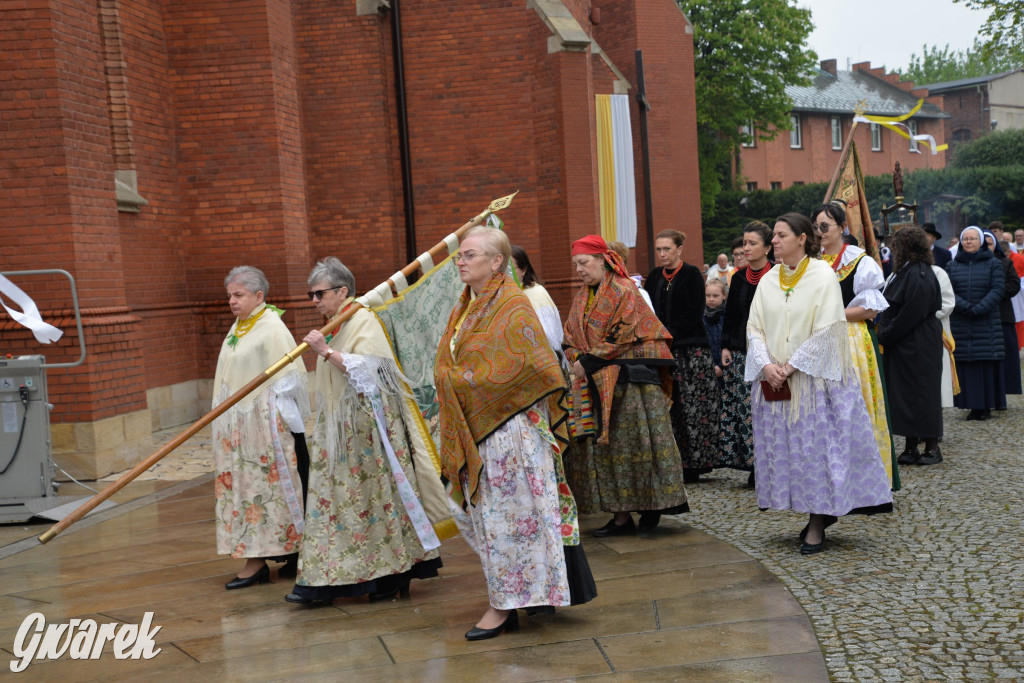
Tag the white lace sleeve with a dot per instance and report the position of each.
(825, 354)
(290, 392)
(868, 281)
(374, 373)
(757, 357)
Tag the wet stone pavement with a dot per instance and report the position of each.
(933, 592)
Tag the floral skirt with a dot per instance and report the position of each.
(696, 408)
(639, 468)
(516, 525)
(258, 510)
(823, 462)
(357, 528)
(735, 436)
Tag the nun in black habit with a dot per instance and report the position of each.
(911, 340)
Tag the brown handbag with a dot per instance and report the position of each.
(781, 394)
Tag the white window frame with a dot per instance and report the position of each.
(837, 132)
(796, 138)
(876, 137)
(912, 126)
(748, 129)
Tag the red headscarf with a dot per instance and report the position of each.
(595, 244)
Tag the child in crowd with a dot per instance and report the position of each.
(715, 293)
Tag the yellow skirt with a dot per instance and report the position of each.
(865, 363)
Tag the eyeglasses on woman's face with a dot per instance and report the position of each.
(466, 256)
(824, 227)
(319, 293)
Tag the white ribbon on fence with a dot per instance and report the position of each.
(29, 315)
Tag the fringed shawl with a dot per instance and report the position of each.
(499, 365)
(618, 328)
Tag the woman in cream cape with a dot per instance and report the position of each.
(813, 452)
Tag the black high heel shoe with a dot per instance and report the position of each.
(511, 624)
(262, 576)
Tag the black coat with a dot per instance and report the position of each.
(911, 339)
(978, 281)
(737, 310)
(1006, 316)
(680, 305)
(941, 255)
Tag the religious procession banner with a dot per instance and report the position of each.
(615, 179)
(414, 321)
(850, 189)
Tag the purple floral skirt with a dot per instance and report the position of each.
(824, 462)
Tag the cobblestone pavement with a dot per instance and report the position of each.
(933, 592)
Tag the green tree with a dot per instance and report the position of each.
(745, 54)
(1004, 29)
(938, 65)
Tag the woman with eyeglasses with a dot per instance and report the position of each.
(366, 529)
(813, 448)
(500, 388)
(261, 469)
(735, 439)
(979, 281)
(625, 459)
(861, 281)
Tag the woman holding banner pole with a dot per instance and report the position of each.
(366, 529)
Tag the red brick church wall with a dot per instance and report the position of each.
(265, 133)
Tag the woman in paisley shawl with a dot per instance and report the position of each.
(258, 489)
(499, 386)
(734, 437)
(861, 281)
(625, 459)
(366, 528)
(813, 451)
(677, 293)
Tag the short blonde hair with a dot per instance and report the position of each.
(495, 242)
(717, 283)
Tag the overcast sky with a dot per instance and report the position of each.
(886, 32)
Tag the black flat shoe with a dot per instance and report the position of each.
(510, 624)
(931, 457)
(301, 600)
(401, 592)
(909, 457)
(290, 568)
(691, 476)
(539, 610)
(262, 576)
(829, 521)
(613, 529)
(648, 521)
(813, 549)
(750, 481)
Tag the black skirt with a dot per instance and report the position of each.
(981, 385)
(421, 570)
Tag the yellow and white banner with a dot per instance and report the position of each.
(896, 125)
(616, 183)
